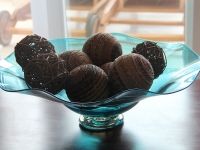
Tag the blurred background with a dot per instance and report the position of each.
(159, 20)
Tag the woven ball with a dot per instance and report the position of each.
(46, 72)
(155, 54)
(30, 47)
(74, 58)
(87, 83)
(37, 42)
(130, 71)
(106, 67)
(102, 48)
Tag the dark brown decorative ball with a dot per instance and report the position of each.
(102, 48)
(37, 42)
(106, 67)
(74, 58)
(87, 83)
(130, 71)
(30, 47)
(155, 54)
(46, 72)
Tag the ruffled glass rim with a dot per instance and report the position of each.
(173, 79)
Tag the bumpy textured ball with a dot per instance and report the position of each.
(106, 67)
(87, 83)
(102, 48)
(30, 47)
(46, 72)
(74, 58)
(155, 54)
(130, 71)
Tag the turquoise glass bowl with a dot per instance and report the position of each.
(183, 66)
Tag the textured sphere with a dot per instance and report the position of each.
(106, 67)
(102, 48)
(30, 47)
(87, 83)
(37, 42)
(46, 72)
(130, 71)
(154, 54)
(74, 58)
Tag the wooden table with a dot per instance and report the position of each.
(170, 122)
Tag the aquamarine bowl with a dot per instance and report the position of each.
(183, 66)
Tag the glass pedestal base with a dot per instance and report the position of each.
(100, 123)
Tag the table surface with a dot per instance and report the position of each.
(168, 122)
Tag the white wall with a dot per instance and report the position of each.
(192, 25)
(49, 18)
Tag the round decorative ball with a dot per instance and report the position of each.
(154, 54)
(46, 72)
(87, 83)
(30, 47)
(74, 58)
(106, 67)
(130, 71)
(37, 42)
(102, 48)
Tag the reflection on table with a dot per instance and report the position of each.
(163, 122)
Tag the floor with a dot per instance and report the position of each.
(10, 6)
